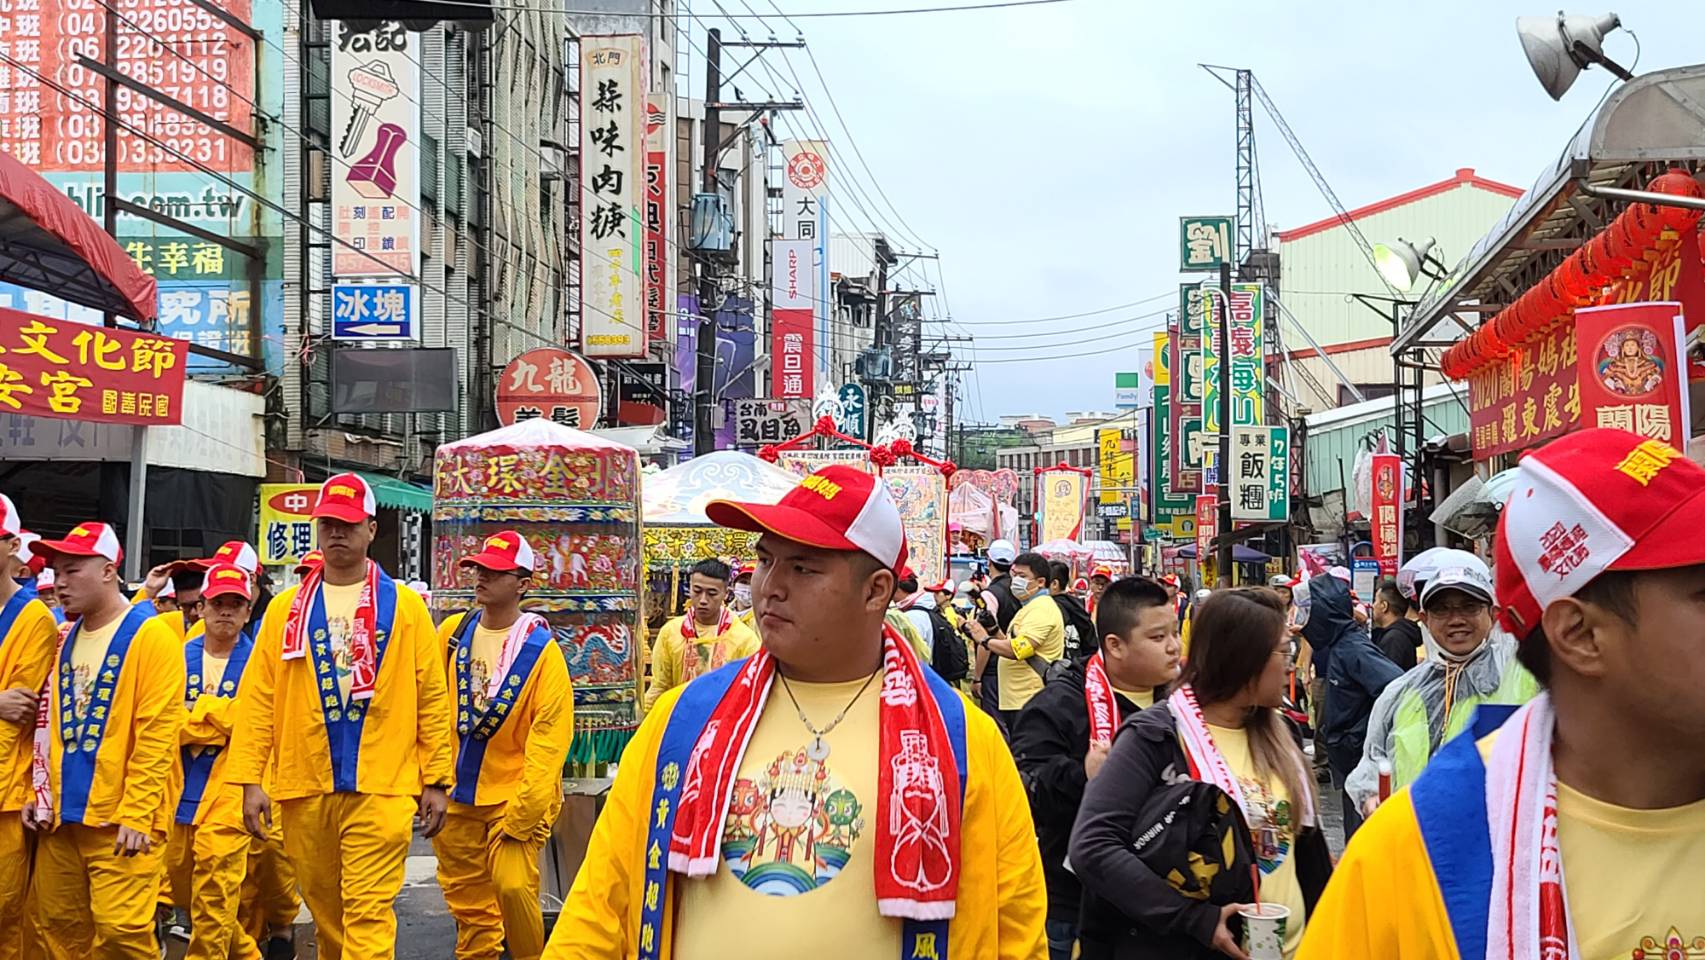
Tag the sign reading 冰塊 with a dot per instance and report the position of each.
(373, 311)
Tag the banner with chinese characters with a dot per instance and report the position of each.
(1171, 514)
(1062, 495)
(80, 372)
(920, 492)
(792, 334)
(612, 168)
(805, 217)
(375, 170)
(1246, 371)
(1118, 466)
(763, 422)
(1530, 397)
(1632, 370)
(1204, 243)
(552, 383)
(1385, 523)
(1207, 527)
(286, 522)
(803, 463)
(1184, 467)
(658, 132)
(1260, 474)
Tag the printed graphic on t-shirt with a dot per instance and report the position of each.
(82, 690)
(793, 829)
(343, 661)
(479, 680)
(1671, 946)
(1271, 830)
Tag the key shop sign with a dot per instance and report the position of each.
(286, 522)
(75, 371)
(552, 383)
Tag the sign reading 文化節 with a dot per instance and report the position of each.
(375, 104)
(64, 369)
(613, 320)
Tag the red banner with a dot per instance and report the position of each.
(76, 371)
(1207, 520)
(1631, 369)
(1385, 524)
(656, 219)
(793, 280)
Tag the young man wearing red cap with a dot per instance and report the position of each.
(345, 700)
(831, 763)
(514, 723)
(208, 852)
(707, 636)
(1576, 829)
(1099, 578)
(28, 638)
(101, 805)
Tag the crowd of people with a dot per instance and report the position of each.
(837, 757)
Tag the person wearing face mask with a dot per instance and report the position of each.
(1436, 700)
(1035, 638)
(740, 597)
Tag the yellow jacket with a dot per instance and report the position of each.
(133, 763)
(668, 655)
(208, 722)
(26, 656)
(1002, 901)
(406, 733)
(524, 759)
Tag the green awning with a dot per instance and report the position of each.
(394, 493)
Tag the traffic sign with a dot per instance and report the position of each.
(373, 311)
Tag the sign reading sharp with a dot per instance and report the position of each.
(373, 311)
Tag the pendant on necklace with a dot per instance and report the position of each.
(818, 750)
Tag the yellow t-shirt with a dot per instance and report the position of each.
(212, 671)
(340, 620)
(798, 842)
(1141, 699)
(1037, 630)
(87, 653)
(483, 654)
(1633, 877)
(1273, 830)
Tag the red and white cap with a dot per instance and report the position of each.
(503, 551)
(223, 578)
(311, 561)
(45, 579)
(84, 540)
(345, 497)
(1591, 501)
(10, 524)
(1102, 571)
(945, 586)
(239, 554)
(836, 508)
(1080, 585)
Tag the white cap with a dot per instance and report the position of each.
(169, 590)
(25, 538)
(1002, 552)
(44, 579)
(1469, 576)
(10, 525)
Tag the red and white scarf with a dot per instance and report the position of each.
(1208, 765)
(1529, 916)
(362, 629)
(519, 631)
(917, 807)
(690, 634)
(1103, 705)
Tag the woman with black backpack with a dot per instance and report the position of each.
(1195, 792)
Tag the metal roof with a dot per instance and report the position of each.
(1645, 126)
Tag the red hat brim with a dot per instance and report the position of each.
(347, 512)
(53, 548)
(790, 523)
(502, 563)
(222, 588)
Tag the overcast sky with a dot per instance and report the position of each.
(1048, 152)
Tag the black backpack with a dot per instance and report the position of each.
(948, 657)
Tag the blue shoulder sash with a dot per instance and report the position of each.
(81, 739)
(475, 730)
(344, 721)
(198, 767)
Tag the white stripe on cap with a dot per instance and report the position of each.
(877, 529)
(9, 523)
(1557, 537)
(246, 559)
(523, 553)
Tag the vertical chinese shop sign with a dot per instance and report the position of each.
(794, 284)
(613, 320)
(657, 207)
(1632, 371)
(1385, 526)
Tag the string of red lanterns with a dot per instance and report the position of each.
(1625, 250)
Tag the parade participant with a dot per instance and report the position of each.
(28, 638)
(918, 610)
(705, 637)
(240, 554)
(1578, 829)
(1080, 626)
(1198, 796)
(48, 593)
(513, 728)
(1062, 736)
(345, 709)
(1099, 579)
(944, 593)
(1170, 582)
(100, 806)
(1035, 638)
(740, 595)
(207, 854)
(165, 600)
(998, 600)
(1200, 597)
(1436, 700)
(1357, 673)
(1393, 632)
(311, 561)
(831, 764)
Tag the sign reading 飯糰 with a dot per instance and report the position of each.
(1204, 243)
(1260, 474)
(373, 311)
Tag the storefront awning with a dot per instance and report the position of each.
(1645, 124)
(394, 493)
(48, 243)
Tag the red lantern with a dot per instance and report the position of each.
(1607, 255)
(1572, 279)
(1677, 183)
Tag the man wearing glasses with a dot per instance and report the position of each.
(1436, 700)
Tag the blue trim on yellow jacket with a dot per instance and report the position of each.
(1450, 809)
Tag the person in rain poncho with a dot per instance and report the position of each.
(1473, 663)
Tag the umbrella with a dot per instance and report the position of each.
(1065, 548)
(1239, 553)
(1472, 509)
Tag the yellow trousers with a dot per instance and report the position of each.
(269, 904)
(204, 869)
(92, 904)
(18, 936)
(348, 850)
(491, 884)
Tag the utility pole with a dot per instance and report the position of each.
(704, 382)
(1224, 349)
